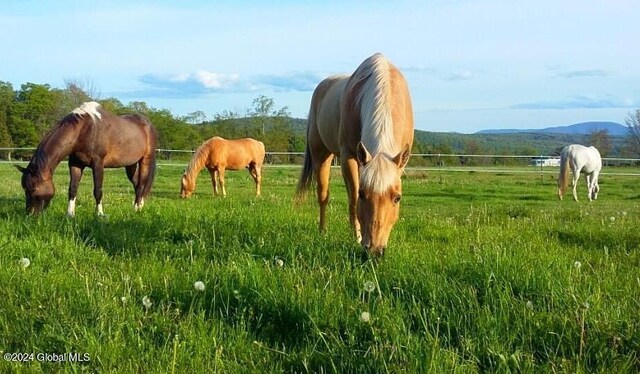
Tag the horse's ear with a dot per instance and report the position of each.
(363, 155)
(402, 158)
(22, 169)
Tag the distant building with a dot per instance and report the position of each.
(540, 161)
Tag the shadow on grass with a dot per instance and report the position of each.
(599, 241)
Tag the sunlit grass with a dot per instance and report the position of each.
(481, 275)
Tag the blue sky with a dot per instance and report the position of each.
(471, 65)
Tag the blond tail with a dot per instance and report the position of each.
(563, 178)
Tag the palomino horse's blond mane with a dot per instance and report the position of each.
(374, 100)
(197, 162)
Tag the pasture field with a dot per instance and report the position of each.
(484, 272)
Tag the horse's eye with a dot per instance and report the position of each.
(397, 198)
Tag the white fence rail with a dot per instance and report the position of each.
(419, 161)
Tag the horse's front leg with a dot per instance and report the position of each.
(221, 180)
(212, 172)
(75, 172)
(574, 185)
(322, 171)
(98, 176)
(589, 187)
(352, 181)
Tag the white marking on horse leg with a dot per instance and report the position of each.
(99, 209)
(71, 208)
(138, 207)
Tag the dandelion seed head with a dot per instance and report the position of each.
(279, 262)
(123, 299)
(199, 286)
(577, 265)
(612, 218)
(146, 301)
(24, 262)
(529, 305)
(369, 286)
(365, 317)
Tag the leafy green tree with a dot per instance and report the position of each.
(633, 139)
(6, 99)
(601, 140)
(35, 110)
(113, 105)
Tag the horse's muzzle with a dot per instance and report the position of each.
(375, 251)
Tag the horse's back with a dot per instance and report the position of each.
(324, 114)
(118, 140)
(235, 153)
(586, 159)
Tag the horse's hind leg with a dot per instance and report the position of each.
(256, 174)
(589, 186)
(132, 175)
(75, 172)
(596, 187)
(142, 177)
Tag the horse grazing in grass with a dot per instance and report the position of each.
(91, 137)
(366, 120)
(217, 155)
(579, 159)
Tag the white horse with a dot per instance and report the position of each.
(580, 159)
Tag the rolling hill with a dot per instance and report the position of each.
(584, 128)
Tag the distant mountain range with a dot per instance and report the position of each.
(584, 128)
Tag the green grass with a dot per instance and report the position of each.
(484, 272)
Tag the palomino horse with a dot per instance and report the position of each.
(92, 137)
(217, 155)
(580, 159)
(366, 120)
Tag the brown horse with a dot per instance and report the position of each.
(366, 120)
(217, 155)
(94, 138)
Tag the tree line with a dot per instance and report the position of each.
(27, 113)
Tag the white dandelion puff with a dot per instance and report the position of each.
(279, 262)
(146, 301)
(369, 286)
(25, 262)
(123, 299)
(199, 286)
(577, 265)
(529, 305)
(365, 317)
(612, 218)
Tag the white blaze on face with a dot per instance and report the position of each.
(71, 209)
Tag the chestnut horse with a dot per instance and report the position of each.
(579, 159)
(92, 137)
(366, 120)
(217, 155)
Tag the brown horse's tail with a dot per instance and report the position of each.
(304, 183)
(563, 178)
(148, 183)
